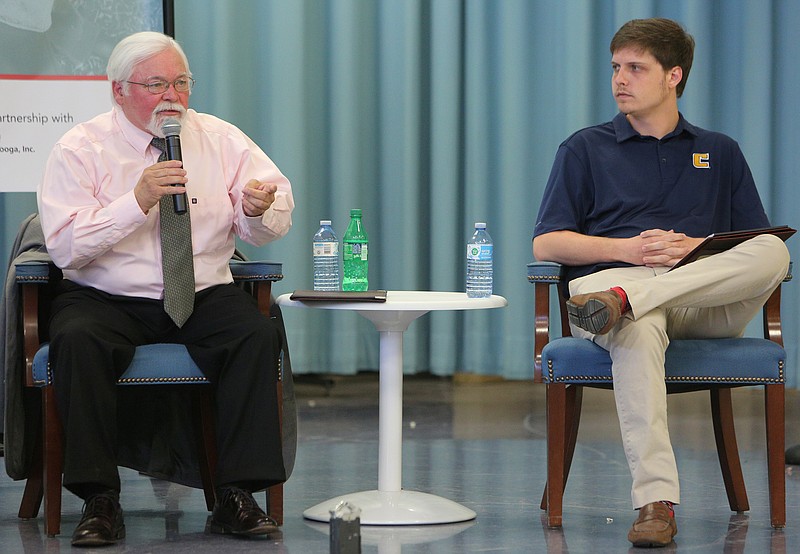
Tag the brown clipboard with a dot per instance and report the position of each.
(719, 242)
(339, 296)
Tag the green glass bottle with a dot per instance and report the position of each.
(355, 259)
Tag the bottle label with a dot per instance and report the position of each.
(479, 252)
(326, 248)
(356, 250)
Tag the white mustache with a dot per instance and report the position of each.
(169, 106)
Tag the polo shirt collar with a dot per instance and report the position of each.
(624, 131)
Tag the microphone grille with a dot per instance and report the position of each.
(171, 127)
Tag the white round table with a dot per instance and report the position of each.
(390, 504)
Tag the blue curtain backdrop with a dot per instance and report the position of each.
(433, 114)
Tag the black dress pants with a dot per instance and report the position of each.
(93, 336)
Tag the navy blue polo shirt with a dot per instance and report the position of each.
(609, 181)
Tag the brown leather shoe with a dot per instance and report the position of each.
(655, 526)
(236, 512)
(596, 312)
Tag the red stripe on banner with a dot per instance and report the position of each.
(53, 77)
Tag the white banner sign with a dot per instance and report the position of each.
(34, 113)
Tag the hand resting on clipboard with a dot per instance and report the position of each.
(719, 242)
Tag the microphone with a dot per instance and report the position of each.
(172, 131)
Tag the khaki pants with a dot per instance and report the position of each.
(714, 297)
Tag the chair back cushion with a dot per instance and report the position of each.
(153, 364)
(735, 361)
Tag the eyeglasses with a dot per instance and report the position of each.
(160, 86)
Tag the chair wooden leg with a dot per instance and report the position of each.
(275, 492)
(206, 442)
(774, 401)
(727, 449)
(573, 398)
(53, 455)
(563, 418)
(34, 485)
(573, 420)
(275, 503)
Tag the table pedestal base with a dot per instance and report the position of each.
(395, 508)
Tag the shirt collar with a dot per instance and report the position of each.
(624, 131)
(138, 139)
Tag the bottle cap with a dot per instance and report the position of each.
(355, 212)
(480, 225)
(323, 222)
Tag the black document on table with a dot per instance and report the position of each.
(719, 242)
(339, 296)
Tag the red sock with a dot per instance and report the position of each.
(623, 296)
(669, 505)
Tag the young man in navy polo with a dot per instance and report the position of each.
(625, 201)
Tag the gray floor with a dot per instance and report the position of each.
(478, 443)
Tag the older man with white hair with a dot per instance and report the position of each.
(104, 200)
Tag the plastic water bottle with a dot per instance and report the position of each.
(326, 257)
(479, 263)
(355, 258)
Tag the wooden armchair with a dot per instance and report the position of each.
(154, 364)
(566, 364)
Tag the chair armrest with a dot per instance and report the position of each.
(542, 275)
(31, 276)
(771, 313)
(545, 272)
(256, 271)
(260, 275)
(33, 272)
(771, 316)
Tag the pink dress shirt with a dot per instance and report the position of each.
(98, 235)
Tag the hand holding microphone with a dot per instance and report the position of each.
(172, 131)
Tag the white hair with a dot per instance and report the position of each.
(134, 49)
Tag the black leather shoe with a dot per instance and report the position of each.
(101, 522)
(237, 513)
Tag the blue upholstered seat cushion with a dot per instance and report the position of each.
(738, 361)
(152, 364)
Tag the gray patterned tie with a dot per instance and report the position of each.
(176, 255)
